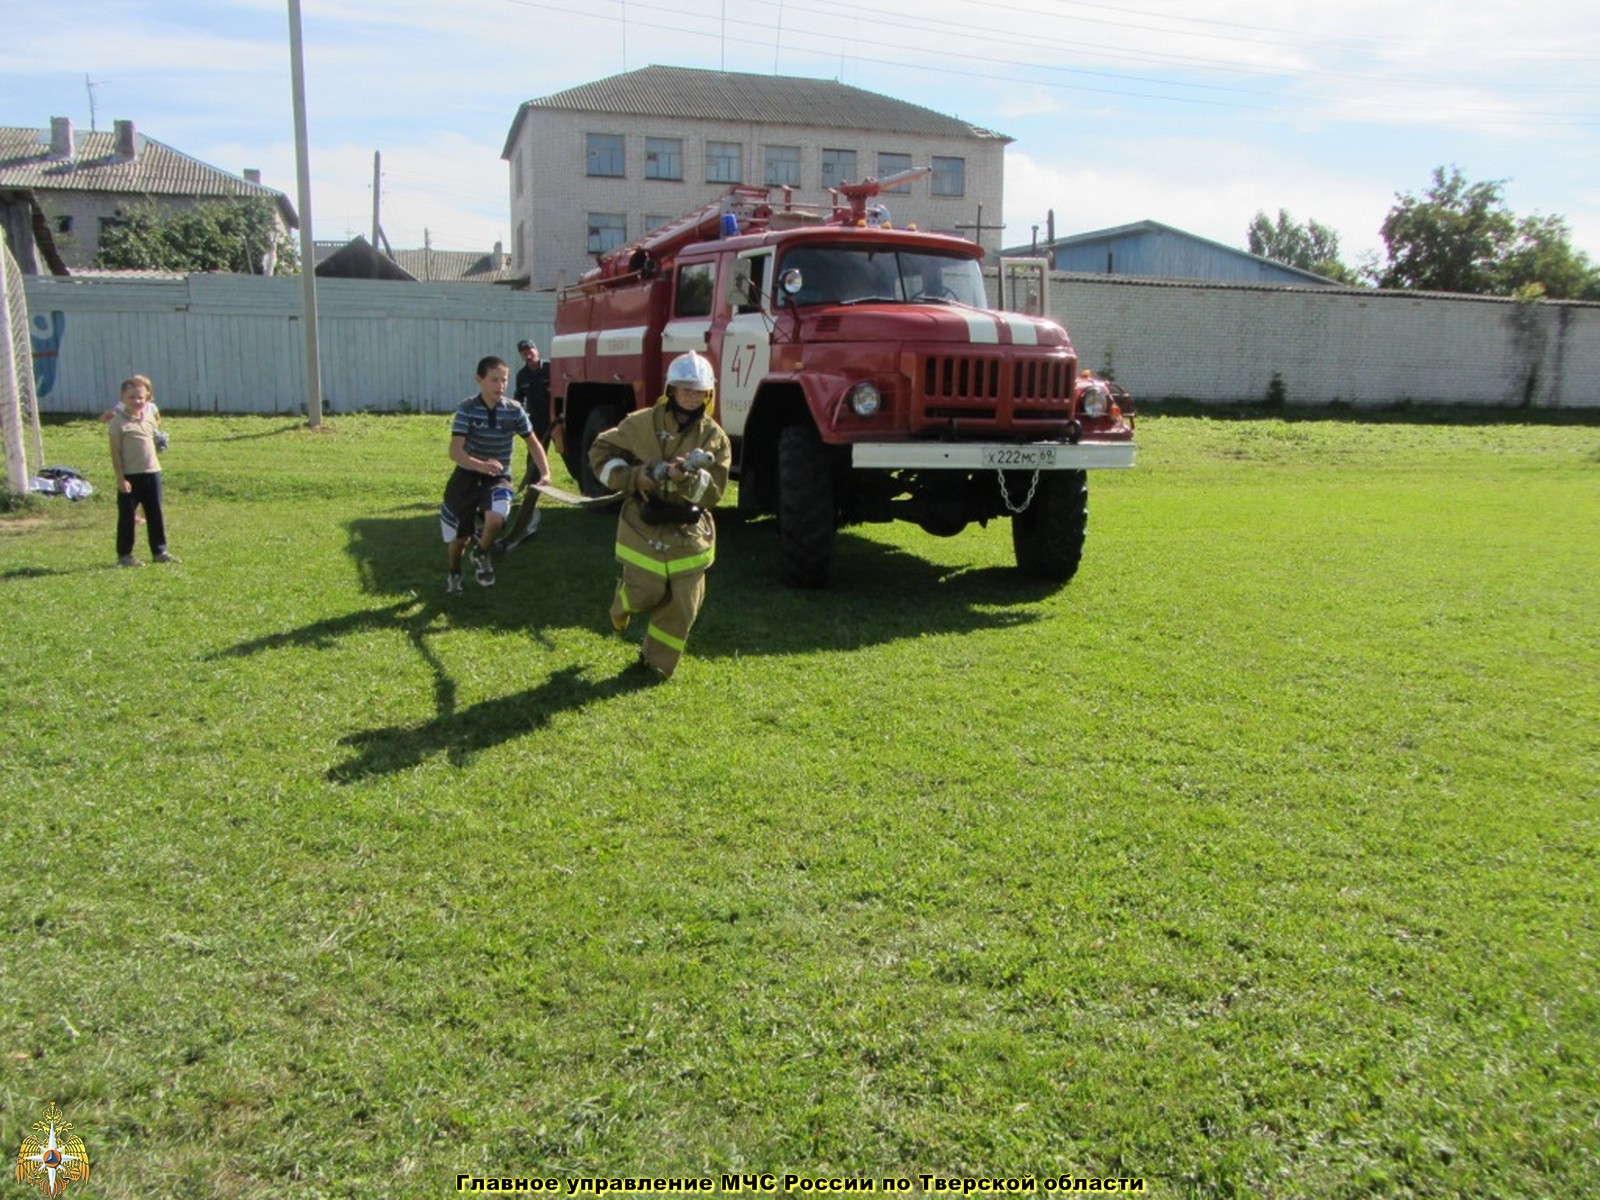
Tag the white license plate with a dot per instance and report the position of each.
(1020, 458)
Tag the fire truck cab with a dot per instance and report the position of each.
(862, 376)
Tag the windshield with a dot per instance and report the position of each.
(858, 274)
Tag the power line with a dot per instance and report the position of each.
(805, 41)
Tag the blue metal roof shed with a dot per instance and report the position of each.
(1153, 250)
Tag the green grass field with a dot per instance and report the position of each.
(1260, 860)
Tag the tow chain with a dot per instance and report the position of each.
(1005, 496)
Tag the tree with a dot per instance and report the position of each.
(1543, 258)
(217, 235)
(1461, 237)
(1311, 247)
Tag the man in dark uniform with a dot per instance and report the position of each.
(533, 389)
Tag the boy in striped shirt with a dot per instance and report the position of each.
(481, 441)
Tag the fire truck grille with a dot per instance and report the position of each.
(972, 388)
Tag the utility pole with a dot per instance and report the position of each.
(377, 160)
(979, 227)
(1050, 238)
(308, 249)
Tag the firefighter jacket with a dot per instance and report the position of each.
(668, 531)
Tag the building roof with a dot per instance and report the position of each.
(357, 259)
(755, 99)
(155, 169)
(454, 266)
(1147, 228)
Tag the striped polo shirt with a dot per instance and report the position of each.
(491, 432)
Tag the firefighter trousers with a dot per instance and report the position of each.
(670, 601)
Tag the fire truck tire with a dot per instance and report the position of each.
(805, 508)
(597, 422)
(1047, 537)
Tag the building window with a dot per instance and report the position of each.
(949, 177)
(783, 166)
(893, 164)
(838, 167)
(64, 224)
(663, 158)
(516, 167)
(654, 222)
(724, 162)
(604, 154)
(607, 231)
(694, 290)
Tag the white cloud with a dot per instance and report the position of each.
(1194, 112)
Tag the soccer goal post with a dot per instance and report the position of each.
(19, 402)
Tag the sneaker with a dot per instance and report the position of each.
(483, 569)
(164, 557)
(452, 583)
(128, 560)
(619, 622)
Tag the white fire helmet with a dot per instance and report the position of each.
(692, 369)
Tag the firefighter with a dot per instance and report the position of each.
(671, 464)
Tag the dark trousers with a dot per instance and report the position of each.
(143, 490)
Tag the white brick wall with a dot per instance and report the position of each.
(1221, 343)
(228, 343)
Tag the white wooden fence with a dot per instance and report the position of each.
(233, 343)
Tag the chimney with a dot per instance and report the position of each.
(252, 175)
(122, 140)
(60, 137)
(497, 260)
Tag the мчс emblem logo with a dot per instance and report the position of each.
(52, 1156)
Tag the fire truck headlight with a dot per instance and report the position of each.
(864, 399)
(1093, 402)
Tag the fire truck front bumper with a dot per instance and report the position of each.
(991, 456)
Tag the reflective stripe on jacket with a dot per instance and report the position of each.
(641, 440)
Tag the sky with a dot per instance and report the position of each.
(1195, 113)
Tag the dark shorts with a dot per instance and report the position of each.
(468, 493)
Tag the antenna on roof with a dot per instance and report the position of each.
(89, 86)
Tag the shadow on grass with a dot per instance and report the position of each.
(562, 579)
(277, 431)
(29, 573)
(460, 735)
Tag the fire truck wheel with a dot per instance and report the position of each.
(597, 422)
(1047, 537)
(805, 508)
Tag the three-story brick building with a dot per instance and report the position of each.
(599, 165)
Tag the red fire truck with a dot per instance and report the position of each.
(862, 375)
